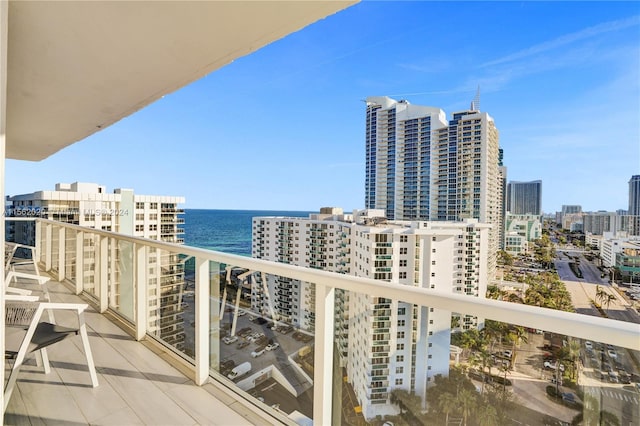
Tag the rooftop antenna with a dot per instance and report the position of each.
(475, 103)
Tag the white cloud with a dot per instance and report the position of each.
(567, 39)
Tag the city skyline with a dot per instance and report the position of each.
(559, 97)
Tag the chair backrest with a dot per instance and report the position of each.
(19, 312)
(9, 252)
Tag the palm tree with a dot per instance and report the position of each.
(505, 367)
(573, 354)
(467, 399)
(517, 335)
(488, 416)
(607, 301)
(447, 403)
(600, 294)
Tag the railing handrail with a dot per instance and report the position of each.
(618, 333)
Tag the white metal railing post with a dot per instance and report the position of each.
(4, 37)
(48, 242)
(37, 243)
(202, 319)
(102, 269)
(323, 355)
(140, 283)
(61, 253)
(79, 262)
(112, 294)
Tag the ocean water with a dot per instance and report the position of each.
(228, 231)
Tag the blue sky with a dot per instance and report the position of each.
(283, 128)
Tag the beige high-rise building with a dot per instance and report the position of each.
(466, 175)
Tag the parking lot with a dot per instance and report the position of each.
(240, 350)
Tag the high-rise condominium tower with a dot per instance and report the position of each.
(149, 216)
(418, 166)
(524, 197)
(399, 157)
(634, 195)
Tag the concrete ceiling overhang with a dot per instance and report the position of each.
(77, 67)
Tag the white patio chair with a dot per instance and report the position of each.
(11, 261)
(25, 333)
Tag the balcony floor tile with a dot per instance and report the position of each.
(137, 386)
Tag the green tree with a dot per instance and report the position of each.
(493, 292)
(406, 400)
(488, 416)
(467, 400)
(516, 335)
(447, 404)
(505, 258)
(573, 355)
(607, 301)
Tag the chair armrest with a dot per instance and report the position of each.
(40, 278)
(20, 298)
(19, 291)
(80, 307)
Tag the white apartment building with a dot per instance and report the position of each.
(383, 344)
(319, 241)
(147, 216)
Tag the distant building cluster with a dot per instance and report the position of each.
(615, 234)
(434, 218)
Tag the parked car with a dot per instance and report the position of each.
(229, 339)
(612, 353)
(553, 365)
(242, 344)
(507, 353)
(569, 398)
(240, 370)
(272, 346)
(588, 345)
(259, 351)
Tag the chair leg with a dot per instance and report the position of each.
(11, 382)
(45, 360)
(87, 350)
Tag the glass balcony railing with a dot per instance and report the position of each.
(301, 342)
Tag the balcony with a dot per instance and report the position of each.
(187, 375)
